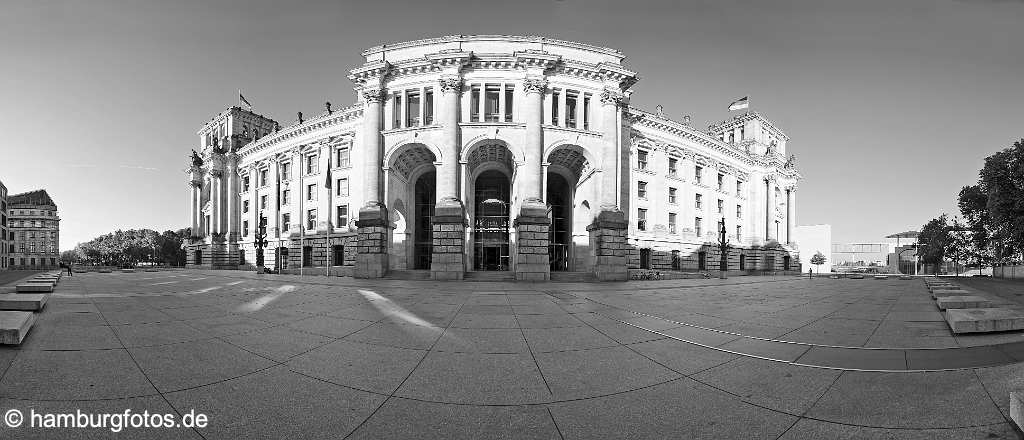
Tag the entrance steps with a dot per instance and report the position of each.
(486, 275)
(573, 277)
(408, 274)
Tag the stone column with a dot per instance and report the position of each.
(196, 182)
(790, 213)
(608, 230)
(768, 235)
(274, 216)
(232, 223)
(372, 256)
(532, 224)
(447, 260)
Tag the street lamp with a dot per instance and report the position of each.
(723, 249)
(260, 242)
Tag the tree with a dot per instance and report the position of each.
(818, 259)
(973, 204)
(959, 243)
(128, 248)
(933, 241)
(1002, 181)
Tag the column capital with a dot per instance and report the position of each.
(535, 85)
(612, 96)
(372, 95)
(450, 84)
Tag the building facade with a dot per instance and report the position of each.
(492, 153)
(5, 238)
(35, 225)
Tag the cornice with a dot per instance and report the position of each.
(508, 38)
(224, 115)
(746, 116)
(321, 121)
(652, 121)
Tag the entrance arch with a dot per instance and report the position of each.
(567, 182)
(423, 235)
(411, 184)
(491, 195)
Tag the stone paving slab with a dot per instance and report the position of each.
(35, 287)
(14, 326)
(23, 302)
(962, 302)
(936, 294)
(984, 320)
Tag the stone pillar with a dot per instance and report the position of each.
(231, 194)
(372, 246)
(447, 260)
(196, 182)
(274, 216)
(790, 213)
(608, 231)
(532, 224)
(768, 233)
(215, 201)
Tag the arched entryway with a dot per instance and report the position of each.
(423, 218)
(491, 208)
(568, 171)
(411, 194)
(559, 197)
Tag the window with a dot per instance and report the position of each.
(342, 186)
(311, 191)
(555, 96)
(697, 199)
(509, 96)
(671, 223)
(398, 110)
(645, 258)
(286, 222)
(641, 159)
(343, 158)
(739, 188)
(474, 103)
(245, 228)
(286, 171)
(641, 219)
(341, 217)
(263, 202)
(739, 211)
(721, 182)
(339, 255)
(739, 232)
(721, 206)
(732, 137)
(571, 99)
(673, 166)
(264, 178)
(697, 226)
(698, 174)
(311, 165)
(245, 183)
(672, 195)
(492, 99)
(285, 196)
(311, 219)
(412, 108)
(245, 206)
(428, 110)
(586, 112)
(743, 132)
(641, 190)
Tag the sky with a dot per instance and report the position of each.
(891, 107)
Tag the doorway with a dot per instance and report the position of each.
(423, 235)
(559, 197)
(491, 221)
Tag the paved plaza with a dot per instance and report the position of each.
(288, 357)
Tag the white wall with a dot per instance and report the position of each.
(812, 239)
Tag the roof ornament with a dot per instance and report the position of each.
(660, 111)
(791, 162)
(686, 120)
(328, 105)
(300, 116)
(196, 160)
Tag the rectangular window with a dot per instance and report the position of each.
(285, 196)
(286, 171)
(732, 137)
(397, 111)
(739, 232)
(311, 219)
(641, 159)
(286, 222)
(344, 158)
(721, 206)
(263, 202)
(671, 223)
(245, 228)
(641, 190)
(697, 226)
(509, 96)
(739, 188)
(428, 108)
(474, 103)
(673, 166)
(672, 195)
(341, 219)
(570, 108)
(245, 206)
(492, 103)
(555, 96)
(586, 112)
(739, 211)
(342, 186)
(311, 164)
(412, 110)
(311, 192)
(338, 259)
(264, 178)
(697, 201)
(641, 219)
(721, 182)
(698, 174)
(245, 184)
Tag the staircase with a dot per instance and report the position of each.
(573, 277)
(408, 274)
(505, 275)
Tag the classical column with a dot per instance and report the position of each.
(231, 193)
(447, 260)
(790, 213)
(196, 182)
(274, 216)
(372, 256)
(608, 230)
(532, 224)
(296, 198)
(215, 201)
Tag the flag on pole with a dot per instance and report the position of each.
(740, 104)
(241, 99)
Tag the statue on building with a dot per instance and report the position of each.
(791, 162)
(686, 120)
(328, 105)
(300, 117)
(196, 160)
(660, 111)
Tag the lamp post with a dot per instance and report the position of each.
(723, 249)
(260, 242)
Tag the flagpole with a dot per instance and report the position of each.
(330, 196)
(302, 224)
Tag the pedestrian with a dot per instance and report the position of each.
(70, 273)
(810, 272)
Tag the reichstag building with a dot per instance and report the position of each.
(505, 156)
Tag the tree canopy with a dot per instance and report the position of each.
(128, 248)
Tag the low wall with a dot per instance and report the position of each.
(1015, 271)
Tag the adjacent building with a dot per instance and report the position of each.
(5, 238)
(470, 154)
(35, 227)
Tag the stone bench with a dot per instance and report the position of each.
(14, 325)
(984, 320)
(881, 277)
(1017, 408)
(906, 277)
(944, 293)
(856, 277)
(35, 287)
(27, 302)
(962, 302)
